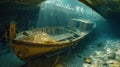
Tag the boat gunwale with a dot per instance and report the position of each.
(50, 44)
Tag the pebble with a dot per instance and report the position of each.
(87, 60)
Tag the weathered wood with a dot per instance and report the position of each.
(32, 48)
(107, 8)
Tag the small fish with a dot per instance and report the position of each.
(79, 56)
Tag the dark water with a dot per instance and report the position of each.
(53, 13)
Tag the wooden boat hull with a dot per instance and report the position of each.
(23, 51)
(27, 44)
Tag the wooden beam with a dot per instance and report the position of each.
(91, 6)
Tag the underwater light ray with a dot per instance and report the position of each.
(60, 12)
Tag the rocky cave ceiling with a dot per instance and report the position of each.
(106, 8)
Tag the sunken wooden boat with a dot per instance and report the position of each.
(40, 41)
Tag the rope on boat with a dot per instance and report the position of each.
(55, 62)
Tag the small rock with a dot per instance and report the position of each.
(117, 55)
(110, 61)
(109, 50)
(97, 64)
(86, 65)
(87, 60)
(111, 56)
(105, 64)
(98, 54)
(114, 65)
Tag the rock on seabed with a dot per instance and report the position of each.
(109, 57)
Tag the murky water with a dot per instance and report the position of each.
(60, 13)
